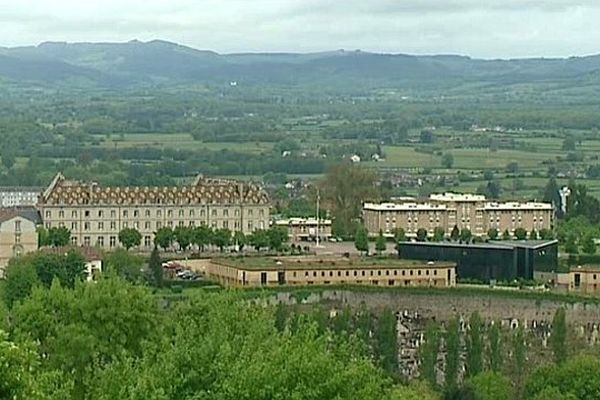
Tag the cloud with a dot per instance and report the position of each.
(481, 28)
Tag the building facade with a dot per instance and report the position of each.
(448, 210)
(12, 196)
(496, 260)
(95, 215)
(18, 233)
(308, 271)
(306, 229)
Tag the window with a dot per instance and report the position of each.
(112, 241)
(181, 213)
(214, 213)
(100, 225)
(87, 213)
(250, 213)
(202, 213)
(73, 226)
(125, 213)
(147, 241)
(261, 213)
(61, 214)
(147, 225)
(113, 213)
(18, 228)
(86, 240)
(113, 225)
(125, 225)
(18, 238)
(226, 213)
(236, 213)
(169, 213)
(100, 214)
(147, 213)
(100, 241)
(158, 225)
(250, 226)
(192, 214)
(158, 213)
(181, 223)
(74, 241)
(74, 214)
(225, 224)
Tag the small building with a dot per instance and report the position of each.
(307, 271)
(583, 279)
(495, 260)
(18, 233)
(306, 229)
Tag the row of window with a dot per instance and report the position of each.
(158, 213)
(387, 272)
(148, 225)
(112, 241)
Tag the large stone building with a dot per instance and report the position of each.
(18, 234)
(448, 210)
(306, 271)
(95, 215)
(14, 196)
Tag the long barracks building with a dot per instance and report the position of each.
(448, 210)
(95, 215)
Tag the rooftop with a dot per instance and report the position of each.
(203, 191)
(302, 221)
(403, 206)
(457, 197)
(27, 212)
(495, 244)
(301, 263)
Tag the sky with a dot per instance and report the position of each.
(478, 28)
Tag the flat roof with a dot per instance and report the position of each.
(495, 244)
(404, 207)
(304, 263)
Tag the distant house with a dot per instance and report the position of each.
(18, 234)
(306, 229)
(15, 196)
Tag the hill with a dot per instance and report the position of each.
(160, 62)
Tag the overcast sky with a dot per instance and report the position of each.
(480, 28)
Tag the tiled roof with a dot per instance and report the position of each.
(202, 191)
(29, 213)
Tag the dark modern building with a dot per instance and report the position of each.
(499, 260)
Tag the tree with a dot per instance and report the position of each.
(519, 357)
(130, 237)
(439, 234)
(427, 136)
(156, 269)
(386, 341)
(59, 237)
(277, 237)
(588, 245)
(558, 337)
(8, 159)
(571, 246)
(569, 144)
(455, 234)
(80, 329)
(164, 237)
(20, 279)
(222, 238)
(490, 386)
(465, 235)
(452, 341)
(495, 356)
(240, 240)
(124, 264)
(344, 190)
(512, 167)
(492, 234)
(43, 237)
(520, 234)
(184, 236)
(574, 379)
(259, 239)
(506, 235)
(421, 235)
(361, 240)
(474, 361)
(546, 234)
(380, 243)
(533, 235)
(428, 354)
(202, 236)
(447, 160)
